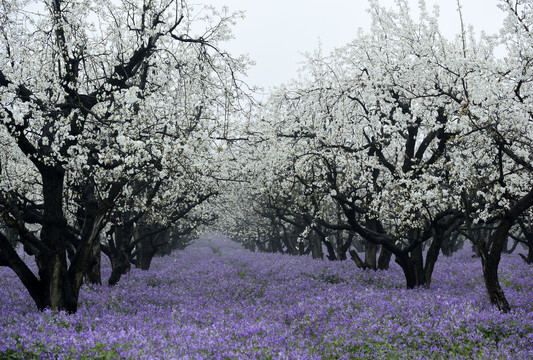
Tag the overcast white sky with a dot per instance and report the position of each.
(276, 32)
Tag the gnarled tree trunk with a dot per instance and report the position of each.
(59, 289)
(120, 253)
(490, 257)
(94, 275)
(384, 259)
(370, 255)
(413, 267)
(148, 245)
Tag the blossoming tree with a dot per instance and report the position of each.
(412, 135)
(370, 128)
(101, 102)
(494, 163)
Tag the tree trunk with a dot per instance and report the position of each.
(384, 259)
(492, 284)
(120, 255)
(343, 246)
(59, 281)
(59, 291)
(490, 262)
(528, 258)
(144, 258)
(275, 245)
(10, 235)
(331, 250)
(440, 234)
(431, 258)
(289, 240)
(408, 271)
(450, 244)
(475, 250)
(86, 260)
(316, 246)
(418, 262)
(491, 259)
(412, 266)
(94, 275)
(145, 261)
(10, 258)
(148, 246)
(370, 255)
(301, 248)
(357, 259)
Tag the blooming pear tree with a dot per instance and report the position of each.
(495, 164)
(414, 137)
(102, 104)
(136, 233)
(414, 134)
(277, 216)
(374, 120)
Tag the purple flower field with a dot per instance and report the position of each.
(217, 301)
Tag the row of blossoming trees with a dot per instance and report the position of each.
(124, 124)
(109, 116)
(403, 138)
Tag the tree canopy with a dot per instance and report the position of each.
(123, 123)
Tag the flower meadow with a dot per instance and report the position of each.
(215, 300)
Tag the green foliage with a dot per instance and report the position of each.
(154, 282)
(98, 352)
(327, 278)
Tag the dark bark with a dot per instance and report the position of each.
(59, 280)
(412, 266)
(343, 246)
(384, 259)
(86, 261)
(9, 257)
(275, 245)
(441, 232)
(59, 291)
(119, 253)
(475, 249)
(492, 283)
(332, 256)
(10, 234)
(527, 230)
(94, 275)
(511, 249)
(382, 264)
(451, 244)
(490, 256)
(301, 248)
(409, 254)
(57, 284)
(261, 244)
(370, 255)
(290, 235)
(432, 255)
(357, 259)
(490, 264)
(319, 237)
(316, 247)
(144, 262)
(148, 246)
